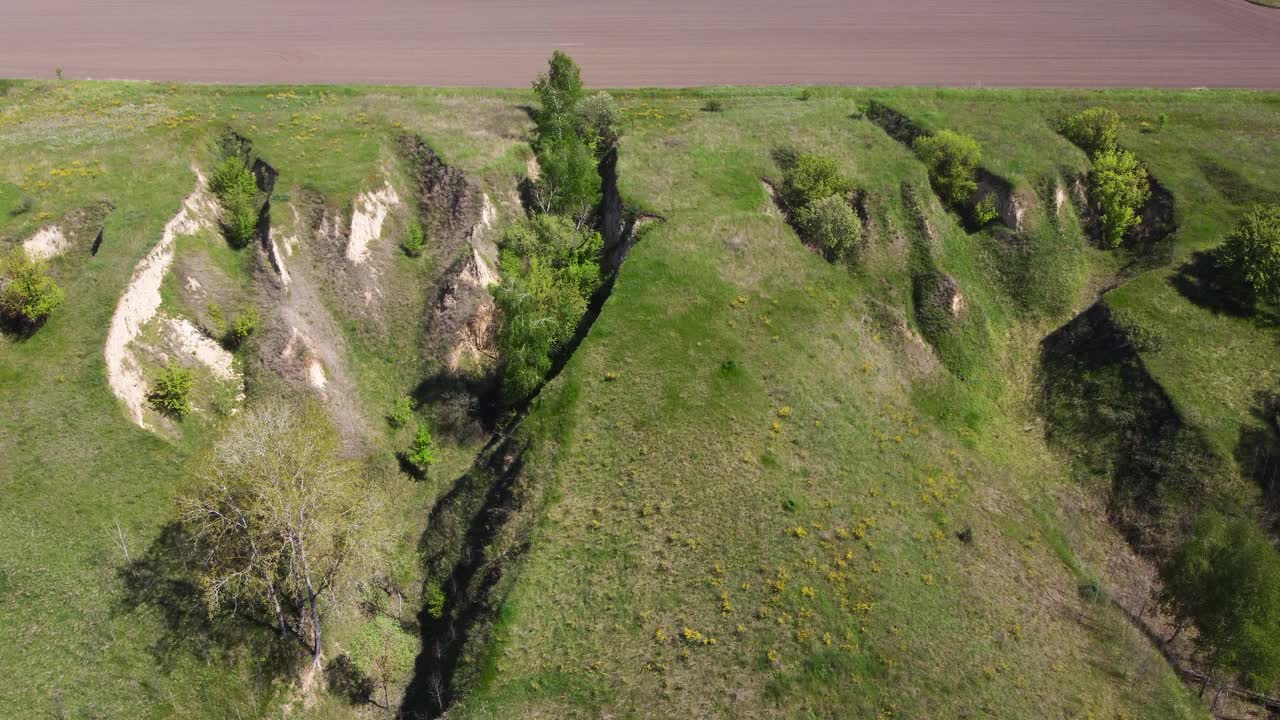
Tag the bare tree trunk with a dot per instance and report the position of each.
(1177, 630)
(1204, 684)
(1217, 695)
(315, 624)
(281, 626)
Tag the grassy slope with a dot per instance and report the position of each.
(675, 486)
(72, 466)
(672, 485)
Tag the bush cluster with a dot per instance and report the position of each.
(952, 160)
(817, 196)
(236, 188)
(415, 239)
(1095, 130)
(550, 269)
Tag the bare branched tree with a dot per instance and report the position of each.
(277, 516)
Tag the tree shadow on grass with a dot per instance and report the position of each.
(1258, 450)
(163, 581)
(1201, 282)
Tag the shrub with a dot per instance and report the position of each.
(952, 160)
(806, 94)
(171, 391)
(1249, 257)
(435, 601)
(1120, 188)
(830, 224)
(243, 326)
(415, 239)
(599, 122)
(812, 177)
(456, 416)
(1091, 590)
(422, 452)
(401, 412)
(985, 211)
(1095, 130)
(27, 293)
(217, 320)
(22, 206)
(237, 190)
(713, 105)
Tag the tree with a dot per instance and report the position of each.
(527, 338)
(830, 224)
(558, 89)
(1095, 130)
(952, 160)
(277, 516)
(27, 293)
(1226, 580)
(1249, 257)
(812, 177)
(383, 651)
(570, 182)
(599, 122)
(1120, 188)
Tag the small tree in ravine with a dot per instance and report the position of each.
(236, 188)
(170, 391)
(27, 293)
(384, 652)
(279, 519)
(1225, 579)
(1096, 130)
(1120, 187)
(1249, 257)
(558, 89)
(422, 451)
(952, 160)
(811, 177)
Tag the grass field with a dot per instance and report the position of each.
(757, 468)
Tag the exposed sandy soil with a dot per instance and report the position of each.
(1184, 43)
(46, 243)
(141, 300)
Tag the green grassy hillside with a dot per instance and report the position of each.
(764, 484)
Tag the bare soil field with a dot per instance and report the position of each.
(501, 43)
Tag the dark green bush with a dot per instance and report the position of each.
(713, 105)
(952, 160)
(1096, 130)
(1249, 257)
(831, 224)
(242, 327)
(415, 239)
(1120, 187)
(171, 390)
(27, 293)
(812, 177)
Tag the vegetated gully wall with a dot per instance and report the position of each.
(480, 529)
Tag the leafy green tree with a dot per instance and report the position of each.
(1226, 580)
(279, 519)
(1095, 130)
(170, 393)
(558, 89)
(831, 224)
(570, 182)
(1249, 257)
(401, 412)
(812, 177)
(384, 652)
(422, 453)
(27, 293)
(599, 122)
(1120, 188)
(952, 160)
(236, 188)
